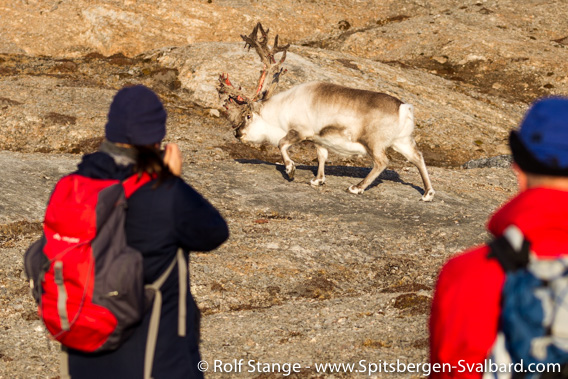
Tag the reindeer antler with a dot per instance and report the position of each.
(235, 101)
(271, 69)
(226, 88)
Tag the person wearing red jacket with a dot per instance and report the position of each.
(464, 319)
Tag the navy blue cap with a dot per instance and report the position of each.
(541, 144)
(136, 117)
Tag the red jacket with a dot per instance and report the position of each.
(466, 305)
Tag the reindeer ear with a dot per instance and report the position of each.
(256, 106)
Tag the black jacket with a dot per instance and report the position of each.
(158, 221)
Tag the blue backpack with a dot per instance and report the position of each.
(533, 329)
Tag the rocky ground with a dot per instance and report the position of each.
(308, 275)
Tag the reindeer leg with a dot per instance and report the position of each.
(407, 147)
(322, 157)
(380, 161)
(284, 144)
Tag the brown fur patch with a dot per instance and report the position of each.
(292, 137)
(356, 99)
(331, 130)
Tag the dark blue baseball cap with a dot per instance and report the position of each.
(540, 145)
(136, 117)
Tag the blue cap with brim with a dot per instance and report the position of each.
(541, 144)
(136, 117)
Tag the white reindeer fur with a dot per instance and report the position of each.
(343, 120)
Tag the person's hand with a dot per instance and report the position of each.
(173, 158)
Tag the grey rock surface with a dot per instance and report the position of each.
(308, 275)
(28, 180)
(498, 161)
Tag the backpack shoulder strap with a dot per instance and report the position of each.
(511, 249)
(156, 309)
(134, 182)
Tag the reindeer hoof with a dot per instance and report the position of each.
(290, 171)
(428, 196)
(317, 182)
(354, 189)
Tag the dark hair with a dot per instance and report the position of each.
(150, 159)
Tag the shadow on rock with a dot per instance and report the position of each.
(341, 171)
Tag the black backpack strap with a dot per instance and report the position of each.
(511, 249)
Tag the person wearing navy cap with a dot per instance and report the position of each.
(162, 216)
(467, 303)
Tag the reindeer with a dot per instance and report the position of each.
(344, 120)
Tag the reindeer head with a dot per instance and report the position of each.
(242, 109)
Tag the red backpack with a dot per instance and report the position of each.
(87, 282)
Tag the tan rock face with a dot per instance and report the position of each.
(505, 48)
(72, 28)
(501, 47)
